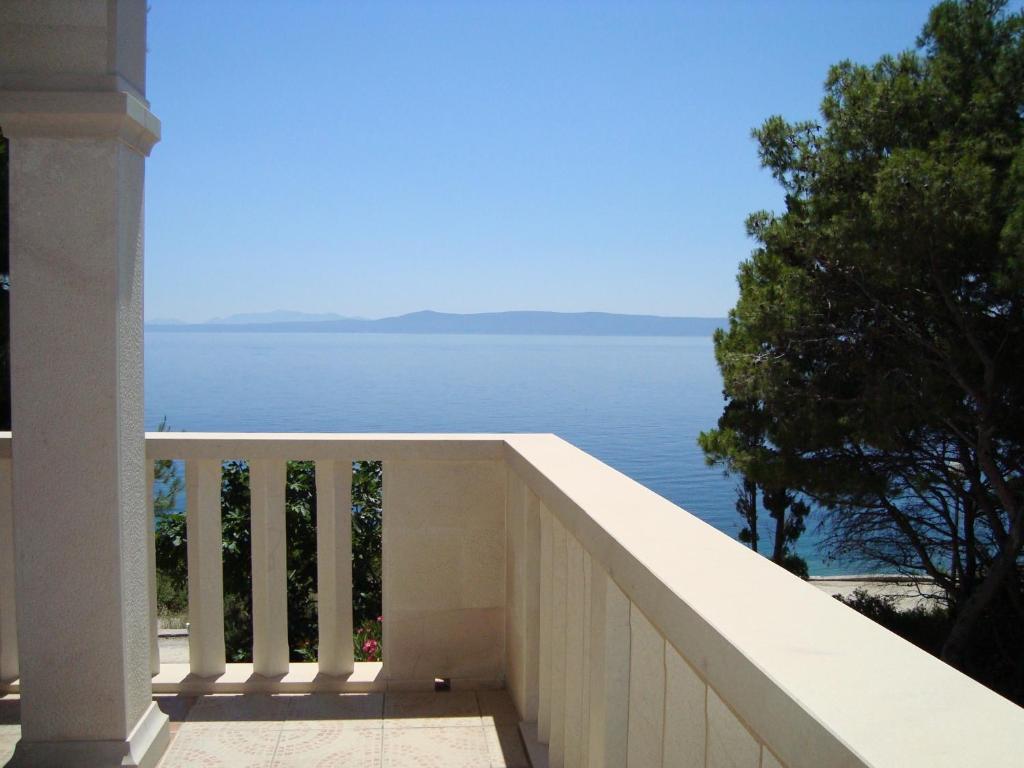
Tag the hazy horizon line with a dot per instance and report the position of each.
(329, 315)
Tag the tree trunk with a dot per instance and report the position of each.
(954, 649)
(779, 550)
(747, 507)
(775, 501)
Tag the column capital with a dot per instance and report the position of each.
(79, 114)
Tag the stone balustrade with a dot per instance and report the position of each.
(627, 631)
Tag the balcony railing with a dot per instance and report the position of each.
(627, 631)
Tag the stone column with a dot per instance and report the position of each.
(72, 103)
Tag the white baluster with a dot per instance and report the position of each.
(205, 567)
(334, 565)
(269, 567)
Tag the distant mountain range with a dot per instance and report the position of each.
(514, 323)
(278, 316)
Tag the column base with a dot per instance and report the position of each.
(142, 749)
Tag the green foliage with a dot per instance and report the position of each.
(300, 520)
(171, 594)
(880, 318)
(366, 541)
(741, 445)
(167, 481)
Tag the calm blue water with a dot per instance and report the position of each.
(635, 403)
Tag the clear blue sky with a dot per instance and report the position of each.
(377, 158)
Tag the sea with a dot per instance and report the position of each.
(636, 403)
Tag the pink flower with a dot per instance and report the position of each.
(380, 619)
(370, 648)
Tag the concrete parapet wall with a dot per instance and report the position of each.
(630, 632)
(733, 660)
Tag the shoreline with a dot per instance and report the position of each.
(874, 577)
(907, 592)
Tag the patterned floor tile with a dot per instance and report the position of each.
(464, 747)
(229, 745)
(326, 748)
(398, 730)
(348, 711)
(9, 739)
(505, 747)
(431, 710)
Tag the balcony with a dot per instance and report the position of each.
(576, 616)
(622, 630)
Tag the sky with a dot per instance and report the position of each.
(377, 158)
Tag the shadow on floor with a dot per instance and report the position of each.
(456, 729)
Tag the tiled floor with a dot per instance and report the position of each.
(10, 731)
(455, 729)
